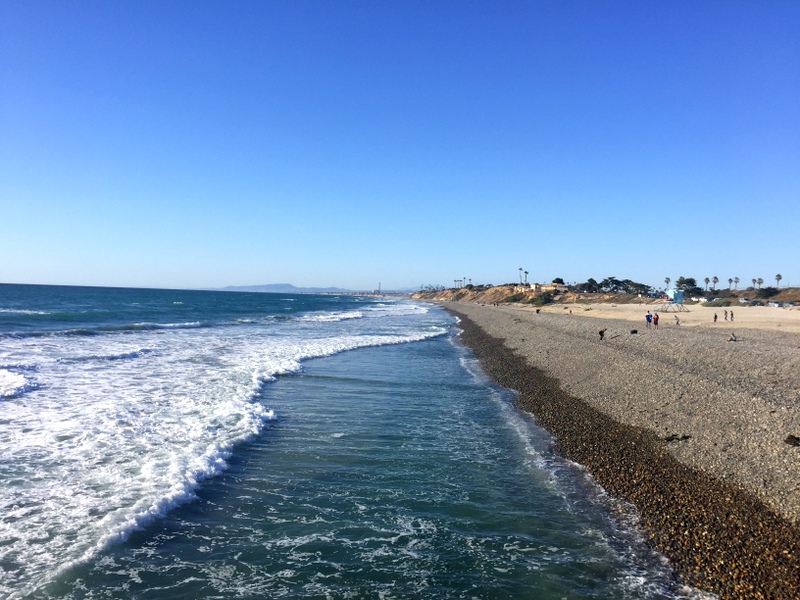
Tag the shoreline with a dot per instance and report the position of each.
(718, 533)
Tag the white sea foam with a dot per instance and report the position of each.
(19, 311)
(399, 309)
(187, 325)
(12, 384)
(124, 426)
(123, 355)
(329, 317)
(377, 311)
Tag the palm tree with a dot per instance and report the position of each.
(754, 282)
(778, 278)
(730, 282)
(520, 274)
(706, 280)
(714, 279)
(736, 281)
(526, 278)
(666, 281)
(759, 281)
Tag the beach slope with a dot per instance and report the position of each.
(692, 429)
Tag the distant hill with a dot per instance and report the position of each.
(283, 288)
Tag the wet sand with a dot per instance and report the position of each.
(688, 427)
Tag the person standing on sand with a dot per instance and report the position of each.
(677, 320)
(731, 315)
(725, 317)
(655, 320)
(602, 334)
(715, 317)
(649, 318)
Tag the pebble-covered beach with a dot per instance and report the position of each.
(696, 431)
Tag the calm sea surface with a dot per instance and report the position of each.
(162, 444)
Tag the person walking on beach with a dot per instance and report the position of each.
(655, 320)
(649, 318)
(731, 315)
(602, 334)
(715, 317)
(725, 316)
(677, 320)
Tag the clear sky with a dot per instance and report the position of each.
(346, 143)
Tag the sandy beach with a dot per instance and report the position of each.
(693, 429)
(744, 317)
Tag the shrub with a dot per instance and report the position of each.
(514, 297)
(721, 302)
(542, 299)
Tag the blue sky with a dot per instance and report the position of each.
(321, 143)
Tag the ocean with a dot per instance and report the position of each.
(170, 444)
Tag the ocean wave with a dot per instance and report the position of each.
(337, 345)
(103, 330)
(14, 385)
(141, 436)
(332, 317)
(145, 326)
(379, 310)
(20, 311)
(141, 352)
(20, 367)
(212, 463)
(117, 526)
(397, 310)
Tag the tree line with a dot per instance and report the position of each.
(612, 285)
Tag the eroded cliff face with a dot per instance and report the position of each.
(486, 295)
(519, 294)
(512, 293)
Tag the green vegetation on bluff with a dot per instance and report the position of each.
(611, 289)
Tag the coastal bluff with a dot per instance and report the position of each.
(697, 432)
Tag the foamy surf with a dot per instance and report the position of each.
(128, 420)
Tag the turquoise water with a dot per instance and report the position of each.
(159, 444)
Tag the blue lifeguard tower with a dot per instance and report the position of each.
(676, 296)
(675, 302)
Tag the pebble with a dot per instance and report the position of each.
(718, 534)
